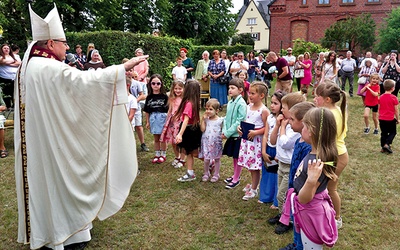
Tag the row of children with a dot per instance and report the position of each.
(384, 110)
(278, 131)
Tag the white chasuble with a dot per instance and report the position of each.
(75, 149)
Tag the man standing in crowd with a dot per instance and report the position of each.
(291, 60)
(368, 56)
(75, 156)
(348, 66)
(239, 64)
(283, 77)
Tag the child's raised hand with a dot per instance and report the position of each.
(314, 170)
(279, 119)
(205, 116)
(284, 122)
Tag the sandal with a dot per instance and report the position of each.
(214, 179)
(273, 207)
(3, 153)
(155, 159)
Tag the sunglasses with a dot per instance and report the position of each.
(156, 83)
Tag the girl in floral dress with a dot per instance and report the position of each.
(171, 127)
(250, 155)
(211, 140)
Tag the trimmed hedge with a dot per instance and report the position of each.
(116, 45)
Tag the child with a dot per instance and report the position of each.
(137, 91)
(171, 127)
(269, 177)
(372, 91)
(388, 115)
(132, 105)
(308, 200)
(284, 137)
(211, 140)
(301, 149)
(179, 71)
(241, 74)
(189, 136)
(250, 148)
(156, 108)
(327, 95)
(235, 113)
(3, 108)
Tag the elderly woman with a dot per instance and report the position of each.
(187, 62)
(319, 64)
(298, 66)
(201, 73)
(363, 76)
(216, 69)
(95, 63)
(8, 70)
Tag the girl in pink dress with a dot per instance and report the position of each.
(250, 155)
(171, 127)
(307, 66)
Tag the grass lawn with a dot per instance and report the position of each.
(161, 213)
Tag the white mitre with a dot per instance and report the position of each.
(48, 28)
(42, 30)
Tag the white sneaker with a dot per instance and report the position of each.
(174, 162)
(249, 195)
(179, 164)
(247, 188)
(187, 177)
(339, 223)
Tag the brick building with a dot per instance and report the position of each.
(308, 19)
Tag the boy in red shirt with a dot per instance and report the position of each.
(388, 115)
(372, 90)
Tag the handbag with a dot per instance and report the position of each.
(299, 73)
(224, 80)
(362, 80)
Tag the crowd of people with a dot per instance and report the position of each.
(294, 150)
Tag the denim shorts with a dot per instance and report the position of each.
(157, 121)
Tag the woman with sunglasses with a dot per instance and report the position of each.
(156, 108)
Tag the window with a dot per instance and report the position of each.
(304, 2)
(251, 21)
(347, 1)
(255, 36)
(323, 1)
(373, 1)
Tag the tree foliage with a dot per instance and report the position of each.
(173, 18)
(354, 32)
(300, 47)
(13, 21)
(389, 34)
(243, 38)
(215, 22)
